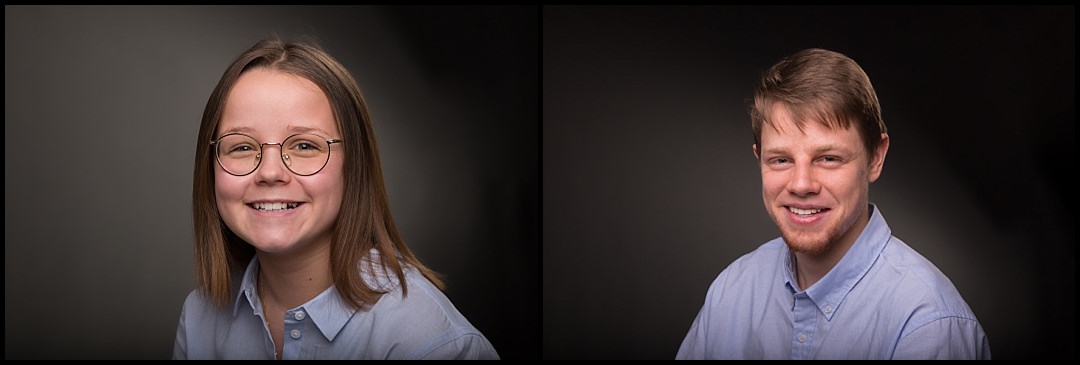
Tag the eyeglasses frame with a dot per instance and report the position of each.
(282, 155)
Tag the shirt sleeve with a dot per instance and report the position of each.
(180, 345)
(466, 347)
(949, 338)
(693, 345)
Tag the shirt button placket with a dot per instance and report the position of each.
(293, 322)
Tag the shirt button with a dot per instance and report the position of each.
(294, 333)
(828, 309)
(299, 315)
(802, 338)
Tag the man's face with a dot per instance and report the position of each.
(815, 182)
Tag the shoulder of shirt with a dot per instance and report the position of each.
(767, 257)
(904, 259)
(769, 251)
(378, 276)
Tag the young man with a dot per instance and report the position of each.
(836, 284)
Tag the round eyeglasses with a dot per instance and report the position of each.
(303, 154)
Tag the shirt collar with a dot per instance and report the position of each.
(829, 292)
(328, 310)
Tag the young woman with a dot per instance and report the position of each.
(296, 252)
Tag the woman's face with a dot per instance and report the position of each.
(272, 208)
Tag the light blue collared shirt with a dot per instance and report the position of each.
(423, 325)
(882, 300)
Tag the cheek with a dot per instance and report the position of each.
(850, 182)
(772, 182)
(329, 183)
(227, 188)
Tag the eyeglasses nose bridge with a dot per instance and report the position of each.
(284, 156)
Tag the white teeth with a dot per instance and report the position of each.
(270, 207)
(803, 211)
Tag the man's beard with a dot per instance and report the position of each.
(812, 244)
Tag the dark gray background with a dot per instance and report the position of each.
(650, 187)
(102, 106)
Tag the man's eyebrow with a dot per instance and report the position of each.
(831, 147)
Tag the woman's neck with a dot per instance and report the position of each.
(291, 281)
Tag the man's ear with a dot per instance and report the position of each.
(877, 161)
(756, 154)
